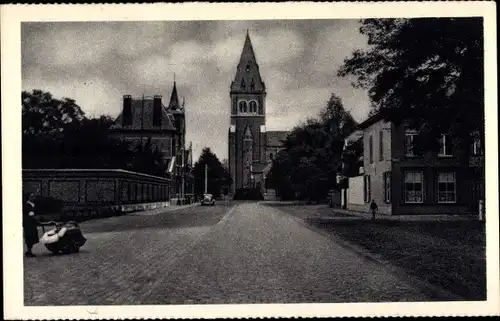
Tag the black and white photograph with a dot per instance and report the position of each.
(177, 157)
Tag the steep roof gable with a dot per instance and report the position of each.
(142, 117)
(247, 78)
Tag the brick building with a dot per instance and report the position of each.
(449, 181)
(251, 147)
(147, 118)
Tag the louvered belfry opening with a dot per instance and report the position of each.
(157, 114)
(127, 111)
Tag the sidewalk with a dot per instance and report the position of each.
(162, 210)
(410, 217)
(324, 212)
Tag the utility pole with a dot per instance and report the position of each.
(206, 178)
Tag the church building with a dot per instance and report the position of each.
(251, 147)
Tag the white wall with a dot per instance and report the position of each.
(355, 194)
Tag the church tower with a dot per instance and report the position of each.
(247, 141)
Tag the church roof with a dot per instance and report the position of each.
(142, 116)
(174, 104)
(276, 138)
(247, 78)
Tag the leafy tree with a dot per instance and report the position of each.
(425, 71)
(218, 176)
(43, 114)
(308, 166)
(57, 134)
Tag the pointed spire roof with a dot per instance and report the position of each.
(174, 100)
(247, 78)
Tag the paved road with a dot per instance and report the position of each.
(246, 253)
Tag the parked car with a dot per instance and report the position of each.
(208, 199)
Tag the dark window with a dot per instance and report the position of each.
(381, 145)
(243, 106)
(410, 136)
(414, 187)
(447, 187)
(477, 148)
(387, 187)
(252, 85)
(243, 83)
(445, 146)
(253, 107)
(371, 149)
(248, 68)
(367, 188)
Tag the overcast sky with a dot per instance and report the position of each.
(97, 63)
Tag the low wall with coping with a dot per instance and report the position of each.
(88, 192)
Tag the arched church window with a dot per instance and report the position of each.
(243, 106)
(243, 83)
(252, 85)
(253, 106)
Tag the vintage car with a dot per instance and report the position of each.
(208, 199)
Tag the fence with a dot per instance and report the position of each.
(96, 192)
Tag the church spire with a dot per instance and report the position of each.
(248, 70)
(174, 99)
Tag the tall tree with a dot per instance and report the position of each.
(308, 166)
(218, 178)
(428, 71)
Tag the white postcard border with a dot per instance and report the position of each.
(11, 17)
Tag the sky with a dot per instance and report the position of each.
(96, 63)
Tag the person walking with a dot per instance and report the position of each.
(30, 225)
(373, 208)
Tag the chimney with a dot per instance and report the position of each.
(157, 112)
(127, 111)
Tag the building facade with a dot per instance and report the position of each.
(448, 181)
(146, 119)
(251, 147)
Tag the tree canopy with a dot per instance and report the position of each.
(57, 134)
(312, 157)
(218, 178)
(426, 71)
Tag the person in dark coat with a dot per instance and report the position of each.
(373, 208)
(30, 225)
